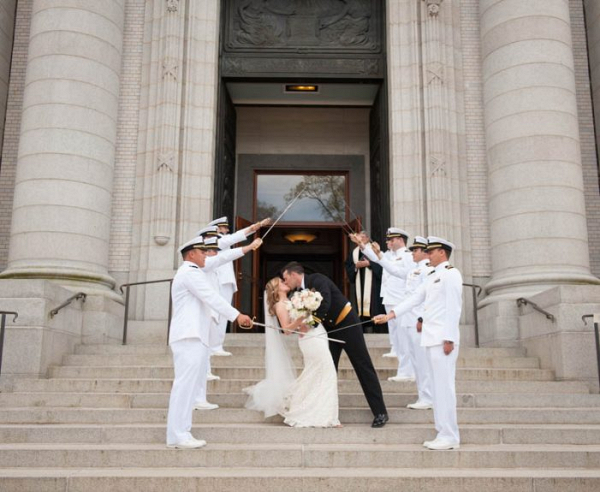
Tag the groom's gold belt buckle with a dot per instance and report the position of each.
(343, 314)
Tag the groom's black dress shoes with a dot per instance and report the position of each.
(380, 420)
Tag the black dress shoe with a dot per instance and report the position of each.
(380, 420)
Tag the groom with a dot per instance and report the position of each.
(336, 312)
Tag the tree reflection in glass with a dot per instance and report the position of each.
(323, 197)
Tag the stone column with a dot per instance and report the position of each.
(407, 179)
(445, 170)
(62, 203)
(537, 209)
(7, 24)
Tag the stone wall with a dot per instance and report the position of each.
(7, 24)
(12, 127)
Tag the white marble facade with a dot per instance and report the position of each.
(108, 148)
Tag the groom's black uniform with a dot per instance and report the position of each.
(331, 315)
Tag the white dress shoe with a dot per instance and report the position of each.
(398, 379)
(389, 354)
(420, 405)
(212, 377)
(221, 353)
(205, 406)
(442, 445)
(189, 444)
(427, 443)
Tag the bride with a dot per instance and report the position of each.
(312, 399)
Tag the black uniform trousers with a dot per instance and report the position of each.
(359, 356)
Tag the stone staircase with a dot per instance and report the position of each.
(98, 424)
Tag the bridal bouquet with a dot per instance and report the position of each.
(304, 303)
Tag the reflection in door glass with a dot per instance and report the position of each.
(323, 197)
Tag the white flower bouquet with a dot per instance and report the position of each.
(303, 303)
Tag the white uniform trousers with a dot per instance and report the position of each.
(405, 365)
(443, 377)
(418, 357)
(189, 356)
(226, 291)
(392, 327)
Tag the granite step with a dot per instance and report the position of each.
(66, 415)
(117, 385)
(249, 361)
(276, 433)
(257, 350)
(77, 455)
(165, 372)
(237, 400)
(255, 479)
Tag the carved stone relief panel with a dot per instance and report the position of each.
(303, 26)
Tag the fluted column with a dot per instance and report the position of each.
(446, 174)
(407, 174)
(537, 209)
(7, 24)
(62, 203)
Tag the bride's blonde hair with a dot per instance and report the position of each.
(272, 291)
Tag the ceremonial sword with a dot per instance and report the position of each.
(297, 332)
(283, 213)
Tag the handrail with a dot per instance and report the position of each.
(74, 297)
(522, 301)
(2, 325)
(132, 284)
(475, 295)
(597, 337)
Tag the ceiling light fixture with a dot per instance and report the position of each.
(303, 88)
(300, 237)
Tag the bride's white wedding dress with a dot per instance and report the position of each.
(313, 397)
(309, 401)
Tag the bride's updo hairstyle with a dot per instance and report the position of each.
(272, 296)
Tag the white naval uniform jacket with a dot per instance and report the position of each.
(441, 293)
(212, 265)
(226, 273)
(415, 278)
(195, 303)
(396, 266)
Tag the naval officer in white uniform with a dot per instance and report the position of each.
(214, 260)
(413, 321)
(397, 262)
(226, 272)
(194, 304)
(442, 296)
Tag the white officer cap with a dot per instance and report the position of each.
(222, 221)
(195, 243)
(419, 242)
(396, 232)
(434, 242)
(208, 231)
(211, 243)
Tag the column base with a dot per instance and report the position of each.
(564, 344)
(72, 279)
(36, 341)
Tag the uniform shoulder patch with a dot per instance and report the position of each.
(449, 267)
(431, 272)
(194, 266)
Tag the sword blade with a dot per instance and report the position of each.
(350, 326)
(296, 332)
(283, 213)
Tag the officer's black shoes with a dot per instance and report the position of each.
(380, 420)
